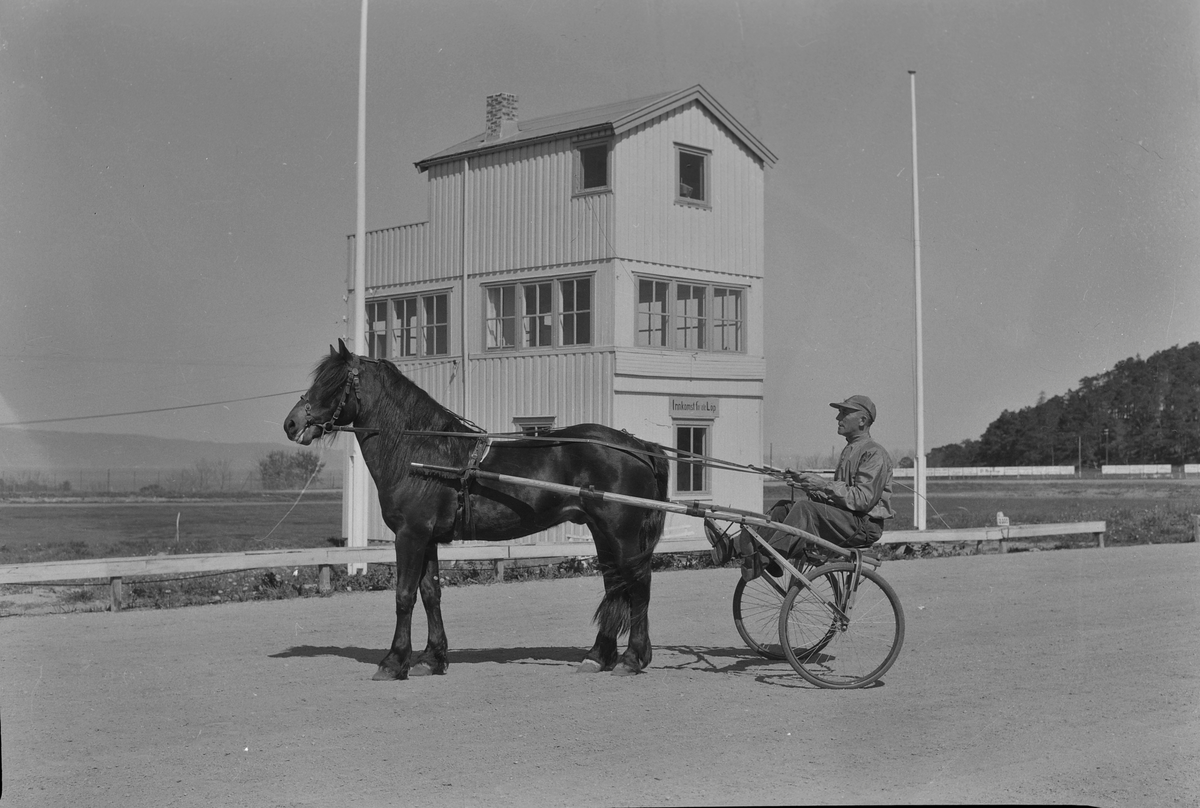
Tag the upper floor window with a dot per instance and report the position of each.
(591, 168)
(691, 175)
(409, 327)
(538, 314)
(690, 316)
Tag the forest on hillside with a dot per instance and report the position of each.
(1140, 411)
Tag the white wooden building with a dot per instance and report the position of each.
(603, 265)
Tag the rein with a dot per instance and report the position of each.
(352, 385)
(666, 453)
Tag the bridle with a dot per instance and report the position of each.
(331, 425)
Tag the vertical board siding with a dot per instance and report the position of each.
(522, 213)
(728, 236)
(575, 387)
(396, 255)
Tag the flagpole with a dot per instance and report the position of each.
(919, 494)
(354, 495)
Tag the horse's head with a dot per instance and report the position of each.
(331, 401)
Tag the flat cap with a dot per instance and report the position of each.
(857, 404)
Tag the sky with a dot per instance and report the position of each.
(177, 181)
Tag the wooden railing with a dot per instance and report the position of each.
(116, 570)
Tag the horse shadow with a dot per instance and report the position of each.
(738, 661)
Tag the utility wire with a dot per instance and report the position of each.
(147, 412)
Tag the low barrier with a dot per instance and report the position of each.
(116, 570)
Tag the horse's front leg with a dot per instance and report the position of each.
(410, 566)
(433, 660)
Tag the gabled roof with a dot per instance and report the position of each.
(609, 118)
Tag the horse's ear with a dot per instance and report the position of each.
(343, 351)
(333, 351)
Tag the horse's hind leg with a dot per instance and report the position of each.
(603, 654)
(636, 581)
(433, 660)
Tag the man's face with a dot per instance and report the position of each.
(851, 422)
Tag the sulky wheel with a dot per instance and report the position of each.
(756, 605)
(837, 636)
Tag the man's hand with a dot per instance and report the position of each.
(808, 481)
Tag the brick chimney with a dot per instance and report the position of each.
(501, 116)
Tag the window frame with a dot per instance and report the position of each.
(670, 333)
(705, 155)
(579, 189)
(534, 424)
(389, 337)
(688, 469)
(557, 315)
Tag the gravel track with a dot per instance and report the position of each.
(1046, 677)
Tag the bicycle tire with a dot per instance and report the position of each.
(756, 605)
(832, 652)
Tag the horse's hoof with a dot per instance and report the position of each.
(625, 670)
(386, 675)
(421, 669)
(589, 666)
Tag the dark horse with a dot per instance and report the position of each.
(425, 509)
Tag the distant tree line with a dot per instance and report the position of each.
(282, 470)
(1141, 411)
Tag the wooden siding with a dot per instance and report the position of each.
(574, 386)
(521, 213)
(394, 255)
(651, 226)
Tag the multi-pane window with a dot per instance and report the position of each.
(409, 327)
(538, 315)
(550, 313)
(592, 168)
(692, 175)
(691, 474)
(501, 318)
(652, 313)
(575, 295)
(377, 329)
(690, 316)
(691, 324)
(727, 319)
(435, 328)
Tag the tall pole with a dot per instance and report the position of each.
(919, 494)
(464, 334)
(354, 495)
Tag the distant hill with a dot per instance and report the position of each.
(1140, 411)
(46, 450)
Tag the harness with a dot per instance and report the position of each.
(464, 518)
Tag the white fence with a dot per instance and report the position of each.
(1142, 470)
(1145, 469)
(116, 570)
(993, 471)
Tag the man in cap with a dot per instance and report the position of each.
(848, 510)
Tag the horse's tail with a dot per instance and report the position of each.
(652, 525)
(613, 615)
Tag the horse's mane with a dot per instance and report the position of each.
(400, 405)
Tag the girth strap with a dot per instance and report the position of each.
(466, 520)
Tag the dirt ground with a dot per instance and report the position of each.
(1046, 677)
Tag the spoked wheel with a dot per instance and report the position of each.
(756, 605)
(839, 636)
